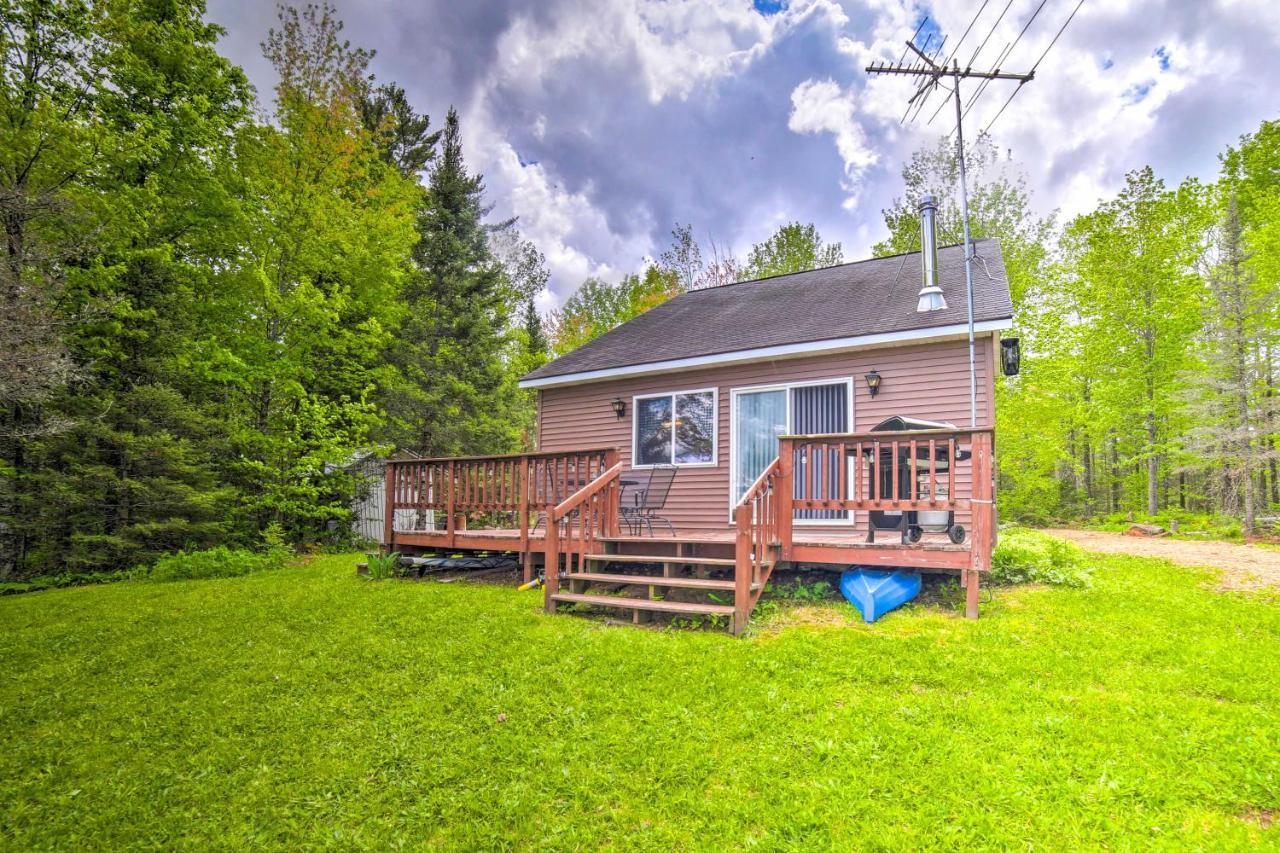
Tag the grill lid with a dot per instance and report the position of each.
(901, 423)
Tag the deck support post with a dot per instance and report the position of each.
(786, 494)
(614, 496)
(742, 569)
(449, 503)
(983, 503)
(389, 511)
(551, 562)
(526, 558)
(971, 594)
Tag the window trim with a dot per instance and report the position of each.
(852, 515)
(715, 428)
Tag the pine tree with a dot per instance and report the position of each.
(455, 391)
(1233, 408)
(404, 138)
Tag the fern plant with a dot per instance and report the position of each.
(383, 566)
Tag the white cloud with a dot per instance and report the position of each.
(632, 115)
(821, 106)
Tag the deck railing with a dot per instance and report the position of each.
(896, 471)
(518, 485)
(575, 525)
(761, 530)
(948, 470)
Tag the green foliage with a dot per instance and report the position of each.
(210, 313)
(597, 306)
(800, 591)
(1192, 524)
(219, 562)
(1029, 556)
(1148, 330)
(455, 352)
(303, 706)
(383, 566)
(792, 248)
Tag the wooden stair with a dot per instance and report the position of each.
(605, 569)
(674, 560)
(644, 604)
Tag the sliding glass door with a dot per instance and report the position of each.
(759, 418)
(760, 415)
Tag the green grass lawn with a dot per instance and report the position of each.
(306, 707)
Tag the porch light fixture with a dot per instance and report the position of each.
(873, 382)
(619, 407)
(1010, 356)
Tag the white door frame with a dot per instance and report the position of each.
(847, 381)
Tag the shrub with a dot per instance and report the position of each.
(1192, 523)
(383, 566)
(61, 581)
(219, 562)
(1029, 556)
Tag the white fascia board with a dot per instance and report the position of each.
(834, 345)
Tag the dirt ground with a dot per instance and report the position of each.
(1242, 566)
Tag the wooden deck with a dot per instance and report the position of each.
(561, 512)
(818, 547)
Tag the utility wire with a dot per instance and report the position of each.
(951, 55)
(919, 27)
(995, 24)
(982, 88)
(1037, 65)
(956, 47)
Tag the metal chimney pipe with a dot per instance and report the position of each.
(931, 298)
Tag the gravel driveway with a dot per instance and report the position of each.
(1242, 566)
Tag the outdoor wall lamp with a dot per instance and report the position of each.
(873, 382)
(1010, 356)
(619, 407)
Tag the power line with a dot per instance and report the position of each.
(983, 87)
(995, 24)
(990, 33)
(956, 47)
(1015, 92)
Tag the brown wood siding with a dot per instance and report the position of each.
(925, 380)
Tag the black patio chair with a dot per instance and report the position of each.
(639, 503)
(555, 491)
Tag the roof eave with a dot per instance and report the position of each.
(781, 351)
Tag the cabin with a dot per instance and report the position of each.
(841, 416)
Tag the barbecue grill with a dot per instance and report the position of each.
(912, 525)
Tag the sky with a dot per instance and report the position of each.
(601, 124)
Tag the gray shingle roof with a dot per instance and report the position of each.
(850, 300)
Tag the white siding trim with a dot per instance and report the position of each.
(957, 330)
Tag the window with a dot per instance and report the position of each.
(675, 429)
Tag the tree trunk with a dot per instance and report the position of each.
(1153, 467)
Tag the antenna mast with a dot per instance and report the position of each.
(933, 74)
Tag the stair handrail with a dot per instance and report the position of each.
(587, 513)
(758, 519)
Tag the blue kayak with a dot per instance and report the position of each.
(875, 592)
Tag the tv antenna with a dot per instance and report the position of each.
(931, 75)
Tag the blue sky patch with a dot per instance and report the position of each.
(769, 7)
(930, 34)
(1138, 92)
(1162, 53)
